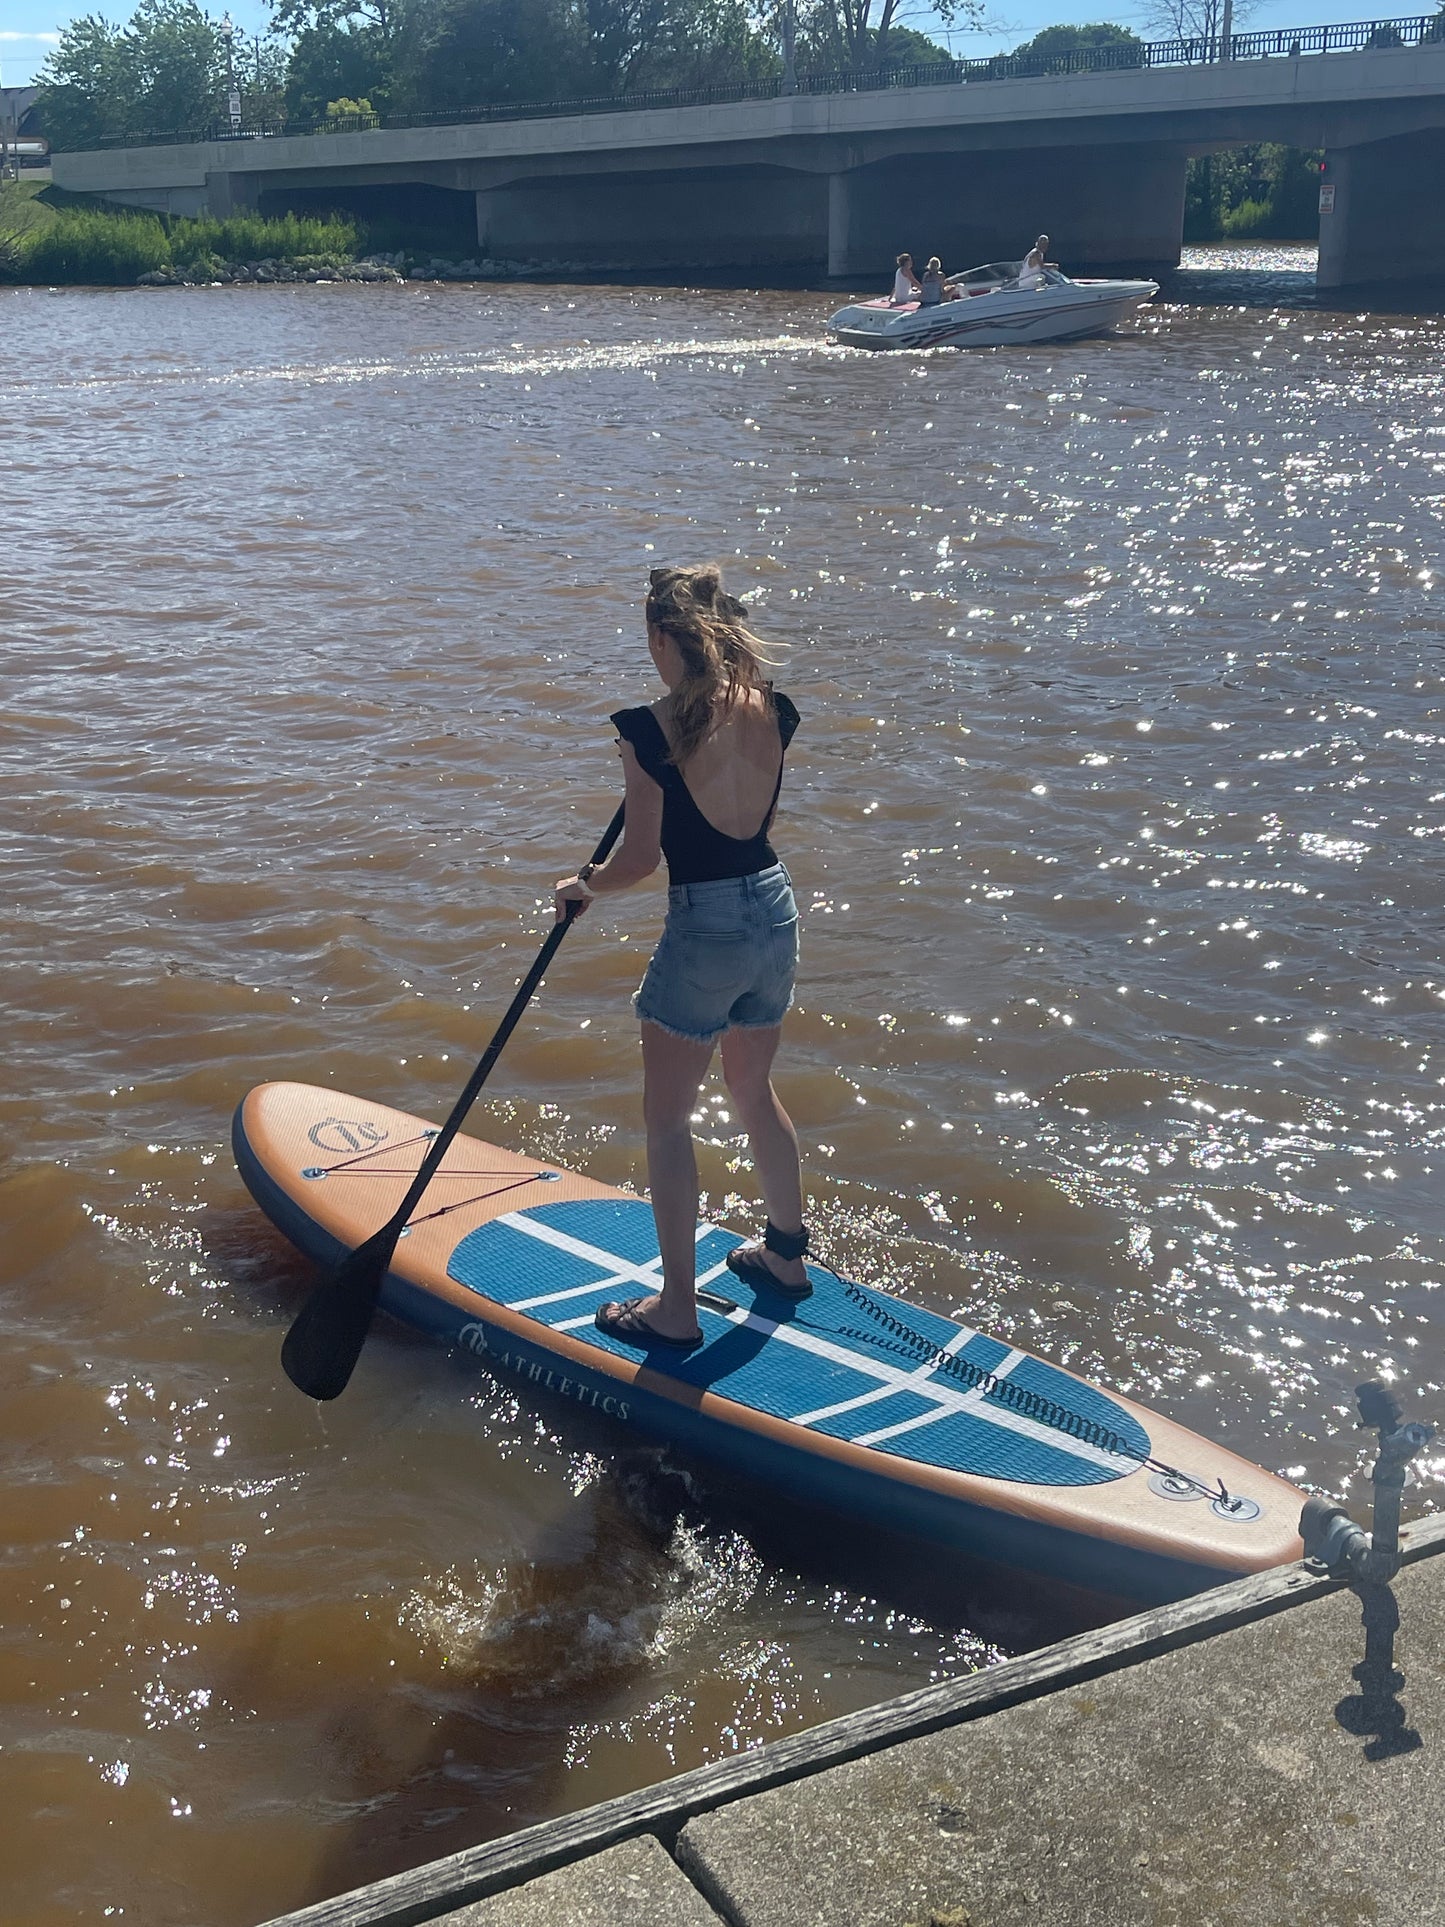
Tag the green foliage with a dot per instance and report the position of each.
(87, 247)
(86, 86)
(98, 246)
(906, 47)
(856, 34)
(25, 205)
(337, 63)
(171, 68)
(1247, 222)
(1266, 192)
(1051, 42)
(467, 52)
(164, 70)
(256, 237)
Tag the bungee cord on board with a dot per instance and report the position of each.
(1018, 1398)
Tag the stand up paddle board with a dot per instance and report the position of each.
(850, 1398)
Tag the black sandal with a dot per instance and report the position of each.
(628, 1324)
(752, 1271)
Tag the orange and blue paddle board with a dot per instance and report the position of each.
(851, 1399)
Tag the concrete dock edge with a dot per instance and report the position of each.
(432, 1891)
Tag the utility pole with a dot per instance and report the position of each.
(228, 35)
(790, 35)
(1226, 32)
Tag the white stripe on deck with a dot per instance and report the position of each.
(972, 1402)
(920, 1376)
(890, 1378)
(602, 1284)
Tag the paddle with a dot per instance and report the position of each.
(325, 1340)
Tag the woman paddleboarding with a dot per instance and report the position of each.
(703, 767)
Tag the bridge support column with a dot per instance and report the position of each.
(741, 218)
(862, 223)
(228, 194)
(1105, 209)
(1388, 219)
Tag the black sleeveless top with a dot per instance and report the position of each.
(696, 852)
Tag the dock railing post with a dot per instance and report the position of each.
(1330, 1535)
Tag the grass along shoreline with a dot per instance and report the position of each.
(49, 239)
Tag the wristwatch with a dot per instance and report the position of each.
(584, 875)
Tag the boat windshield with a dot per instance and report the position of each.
(991, 275)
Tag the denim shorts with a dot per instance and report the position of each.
(726, 959)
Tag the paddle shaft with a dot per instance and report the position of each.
(325, 1340)
(396, 1224)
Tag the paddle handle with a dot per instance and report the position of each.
(441, 1143)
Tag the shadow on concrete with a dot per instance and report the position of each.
(1376, 1714)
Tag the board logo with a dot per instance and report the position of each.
(474, 1337)
(346, 1134)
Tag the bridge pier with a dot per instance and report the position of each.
(228, 194)
(1388, 219)
(1118, 209)
(741, 218)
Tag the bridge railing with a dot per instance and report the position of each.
(1274, 43)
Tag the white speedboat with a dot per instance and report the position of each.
(992, 309)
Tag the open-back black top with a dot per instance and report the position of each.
(697, 852)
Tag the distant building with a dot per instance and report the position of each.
(20, 125)
(18, 103)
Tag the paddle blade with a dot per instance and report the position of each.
(326, 1337)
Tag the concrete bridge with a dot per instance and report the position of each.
(840, 181)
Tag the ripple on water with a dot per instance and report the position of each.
(1113, 820)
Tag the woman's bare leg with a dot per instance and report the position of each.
(747, 1057)
(672, 1072)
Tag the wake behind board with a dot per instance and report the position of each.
(852, 1399)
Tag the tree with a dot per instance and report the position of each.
(334, 62)
(1200, 20)
(177, 58)
(1051, 43)
(907, 47)
(465, 53)
(85, 85)
(165, 71)
(856, 33)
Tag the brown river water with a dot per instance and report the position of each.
(1117, 817)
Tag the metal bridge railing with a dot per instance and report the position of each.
(1273, 44)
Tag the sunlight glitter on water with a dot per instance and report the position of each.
(1113, 819)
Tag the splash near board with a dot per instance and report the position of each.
(850, 1398)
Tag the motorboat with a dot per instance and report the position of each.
(996, 304)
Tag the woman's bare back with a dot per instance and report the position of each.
(732, 775)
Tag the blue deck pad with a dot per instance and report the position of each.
(822, 1363)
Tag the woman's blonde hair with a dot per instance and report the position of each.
(721, 657)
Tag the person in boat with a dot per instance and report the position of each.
(703, 768)
(906, 285)
(1031, 274)
(932, 290)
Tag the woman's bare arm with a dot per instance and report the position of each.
(639, 852)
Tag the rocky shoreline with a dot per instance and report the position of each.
(374, 268)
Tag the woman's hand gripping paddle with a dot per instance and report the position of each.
(325, 1341)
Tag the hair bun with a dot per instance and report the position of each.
(706, 584)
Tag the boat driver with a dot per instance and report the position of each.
(1031, 274)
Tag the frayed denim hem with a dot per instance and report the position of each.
(685, 1036)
